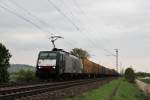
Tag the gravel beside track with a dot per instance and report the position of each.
(33, 90)
(10, 85)
(67, 93)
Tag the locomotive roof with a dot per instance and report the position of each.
(61, 51)
(56, 51)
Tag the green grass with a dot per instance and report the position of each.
(146, 80)
(126, 91)
(99, 94)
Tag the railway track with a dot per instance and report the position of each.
(17, 84)
(23, 91)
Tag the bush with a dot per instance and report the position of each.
(4, 63)
(25, 76)
(130, 75)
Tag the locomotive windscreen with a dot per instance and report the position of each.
(47, 55)
(47, 59)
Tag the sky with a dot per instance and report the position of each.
(97, 26)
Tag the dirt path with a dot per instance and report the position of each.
(114, 92)
(143, 86)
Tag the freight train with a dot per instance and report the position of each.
(60, 64)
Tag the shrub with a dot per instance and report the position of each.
(130, 75)
(4, 63)
(25, 76)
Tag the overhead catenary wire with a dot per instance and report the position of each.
(63, 14)
(28, 20)
(82, 12)
(81, 30)
(20, 16)
(60, 11)
(12, 11)
(77, 5)
(32, 15)
(70, 11)
(88, 31)
(24, 17)
(37, 26)
(89, 26)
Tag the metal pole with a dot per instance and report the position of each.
(116, 59)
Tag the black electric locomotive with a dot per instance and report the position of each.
(58, 63)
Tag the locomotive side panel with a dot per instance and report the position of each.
(72, 64)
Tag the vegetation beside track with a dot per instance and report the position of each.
(101, 93)
(128, 91)
(24, 76)
(125, 91)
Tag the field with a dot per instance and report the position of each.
(125, 91)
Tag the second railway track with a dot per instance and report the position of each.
(22, 91)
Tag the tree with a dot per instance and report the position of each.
(4, 63)
(130, 75)
(142, 74)
(80, 53)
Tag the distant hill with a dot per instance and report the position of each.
(16, 67)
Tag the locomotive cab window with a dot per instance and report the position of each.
(47, 59)
(47, 55)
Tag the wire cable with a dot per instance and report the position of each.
(89, 26)
(20, 16)
(61, 12)
(29, 13)
(27, 20)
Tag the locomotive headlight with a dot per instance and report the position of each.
(54, 67)
(39, 67)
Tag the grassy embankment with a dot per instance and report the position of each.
(125, 91)
(128, 91)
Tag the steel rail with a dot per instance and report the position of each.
(12, 94)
